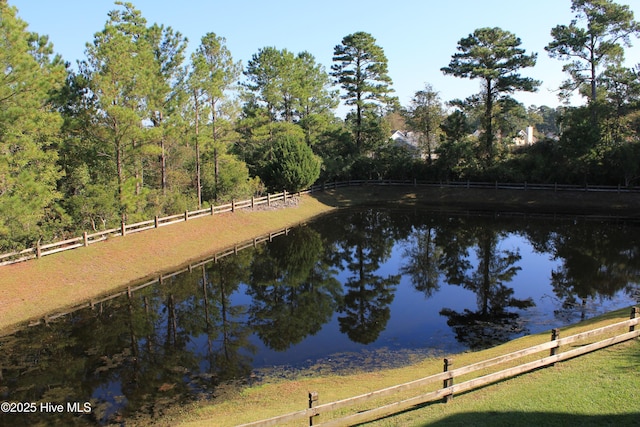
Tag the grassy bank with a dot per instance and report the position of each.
(601, 388)
(32, 289)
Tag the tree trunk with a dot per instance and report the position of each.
(197, 120)
(358, 106)
(214, 132)
(488, 117)
(163, 167)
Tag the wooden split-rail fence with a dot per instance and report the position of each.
(89, 238)
(315, 413)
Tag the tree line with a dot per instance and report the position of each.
(139, 128)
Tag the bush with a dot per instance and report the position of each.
(293, 165)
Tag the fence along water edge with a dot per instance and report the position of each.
(448, 376)
(87, 239)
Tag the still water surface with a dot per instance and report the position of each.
(359, 288)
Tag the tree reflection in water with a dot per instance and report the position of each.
(492, 323)
(367, 239)
(293, 290)
(338, 282)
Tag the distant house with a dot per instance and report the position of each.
(408, 141)
(525, 137)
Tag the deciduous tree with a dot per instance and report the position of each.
(424, 116)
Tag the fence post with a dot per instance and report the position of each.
(212, 209)
(123, 228)
(555, 335)
(186, 215)
(156, 222)
(313, 398)
(449, 381)
(284, 196)
(85, 238)
(38, 251)
(634, 314)
(252, 202)
(233, 205)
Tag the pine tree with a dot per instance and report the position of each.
(167, 88)
(29, 132)
(213, 74)
(593, 46)
(361, 69)
(493, 56)
(120, 69)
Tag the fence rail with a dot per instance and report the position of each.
(87, 239)
(124, 229)
(448, 376)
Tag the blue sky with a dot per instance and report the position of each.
(418, 36)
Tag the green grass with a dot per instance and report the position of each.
(600, 389)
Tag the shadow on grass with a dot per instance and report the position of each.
(496, 419)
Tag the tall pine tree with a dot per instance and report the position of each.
(361, 69)
(29, 132)
(214, 73)
(120, 69)
(493, 56)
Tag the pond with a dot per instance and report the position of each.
(360, 288)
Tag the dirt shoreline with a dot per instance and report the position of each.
(36, 288)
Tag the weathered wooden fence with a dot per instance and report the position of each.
(89, 238)
(615, 333)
